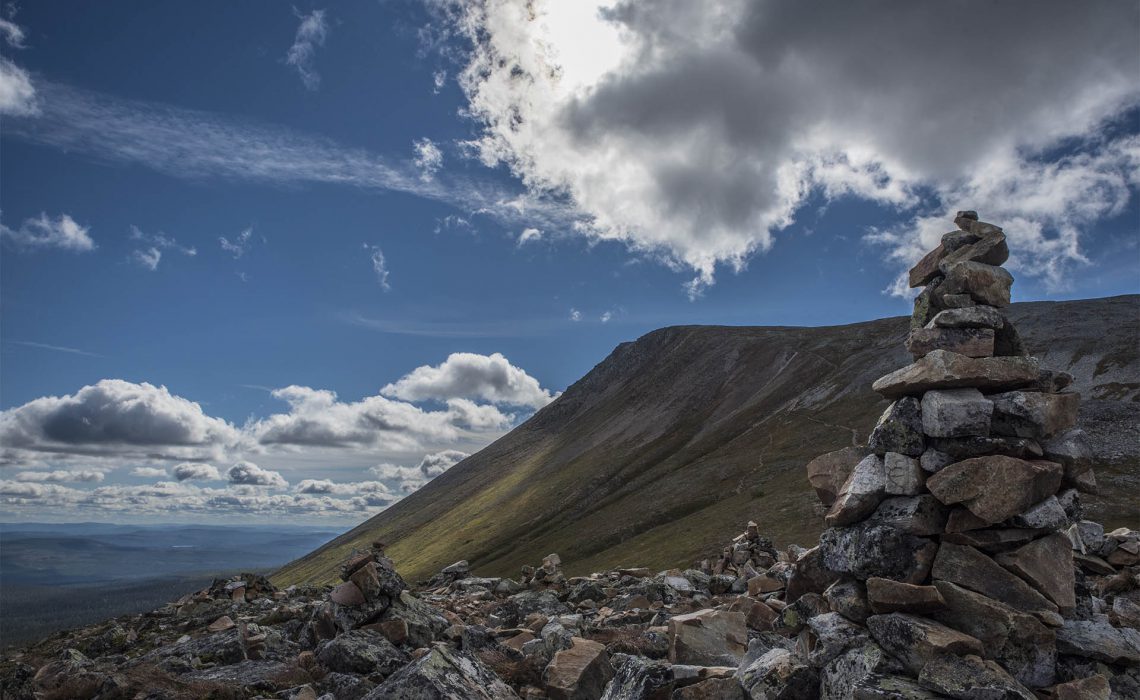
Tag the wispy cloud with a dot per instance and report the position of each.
(55, 348)
(311, 33)
(429, 159)
(517, 328)
(239, 246)
(151, 254)
(379, 265)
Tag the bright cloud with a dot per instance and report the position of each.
(379, 265)
(148, 472)
(311, 34)
(151, 254)
(60, 476)
(61, 232)
(249, 474)
(429, 159)
(467, 375)
(530, 234)
(191, 471)
(694, 131)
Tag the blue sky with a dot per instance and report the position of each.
(396, 182)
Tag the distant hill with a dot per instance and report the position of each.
(666, 448)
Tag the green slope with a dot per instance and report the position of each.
(666, 448)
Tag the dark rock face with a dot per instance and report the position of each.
(868, 550)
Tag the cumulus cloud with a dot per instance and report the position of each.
(410, 479)
(249, 474)
(433, 465)
(429, 159)
(62, 232)
(61, 476)
(311, 34)
(379, 265)
(114, 417)
(468, 375)
(192, 471)
(352, 488)
(694, 131)
(148, 472)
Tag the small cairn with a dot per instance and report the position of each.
(951, 536)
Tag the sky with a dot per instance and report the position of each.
(263, 262)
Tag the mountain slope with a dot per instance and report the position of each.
(664, 449)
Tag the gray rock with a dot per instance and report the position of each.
(971, 342)
(915, 641)
(780, 675)
(969, 317)
(915, 515)
(263, 676)
(986, 284)
(834, 634)
(904, 476)
(708, 638)
(899, 429)
(1097, 639)
(828, 472)
(1047, 565)
(864, 489)
(952, 413)
(989, 249)
(932, 460)
(891, 687)
(978, 446)
(443, 673)
(971, 678)
(1034, 414)
(361, 651)
(1046, 515)
(971, 569)
(868, 549)
(839, 678)
(940, 369)
(1071, 450)
(638, 678)
(1092, 534)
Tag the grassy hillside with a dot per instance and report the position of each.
(668, 446)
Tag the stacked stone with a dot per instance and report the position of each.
(948, 532)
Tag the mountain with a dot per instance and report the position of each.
(666, 448)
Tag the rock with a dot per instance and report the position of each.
(887, 596)
(940, 369)
(361, 651)
(780, 675)
(757, 615)
(1046, 564)
(578, 673)
(833, 634)
(710, 689)
(849, 599)
(891, 687)
(839, 678)
(347, 594)
(956, 301)
(1017, 640)
(828, 471)
(764, 583)
(868, 549)
(638, 678)
(1091, 534)
(971, 342)
(899, 429)
(986, 284)
(993, 540)
(423, 622)
(996, 487)
(1046, 515)
(932, 460)
(969, 317)
(971, 569)
(864, 489)
(1099, 640)
(963, 220)
(927, 268)
(971, 678)
(71, 675)
(707, 638)
(979, 446)
(1125, 613)
(250, 675)
(1070, 449)
(459, 569)
(915, 641)
(1008, 342)
(916, 515)
(809, 575)
(956, 413)
(1034, 414)
(223, 623)
(1091, 688)
(904, 475)
(989, 249)
(442, 673)
(925, 304)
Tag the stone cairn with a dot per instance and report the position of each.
(957, 534)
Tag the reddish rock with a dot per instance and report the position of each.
(927, 268)
(887, 596)
(223, 623)
(827, 472)
(1046, 564)
(578, 673)
(971, 569)
(347, 594)
(971, 342)
(995, 487)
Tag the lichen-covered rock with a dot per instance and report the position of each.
(916, 515)
(1097, 639)
(971, 342)
(864, 489)
(1034, 414)
(868, 549)
(969, 568)
(443, 674)
(971, 678)
(899, 429)
(834, 634)
(839, 678)
(887, 596)
(904, 475)
(986, 284)
(948, 413)
(361, 651)
(780, 675)
(914, 640)
(996, 487)
(638, 678)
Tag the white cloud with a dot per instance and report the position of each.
(13, 33)
(146, 257)
(575, 315)
(694, 131)
(193, 471)
(61, 476)
(529, 234)
(606, 316)
(379, 265)
(148, 472)
(151, 254)
(438, 79)
(61, 232)
(239, 245)
(17, 94)
(410, 479)
(429, 159)
(311, 34)
(433, 465)
(468, 375)
(354, 488)
(249, 474)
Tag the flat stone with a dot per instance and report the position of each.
(978, 228)
(899, 429)
(869, 549)
(915, 515)
(578, 673)
(444, 672)
(963, 219)
(940, 369)
(994, 540)
(971, 342)
(887, 596)
(1046, 564)
(221, 624)
(780, 675)
(978, 446)
(1018, 640)
(962, 520)
(827, 472)
(995, 488)
(948, 413)
(971, 678)
(1092, 688)
(989, 249)
(864, 489)
(972, 569)
(904, 476)
(1100, 641)
(915, 641)
(969, 317)
(1034, 414)
(927, 268)
(986, 284)
(1046, 515)
(708, 638)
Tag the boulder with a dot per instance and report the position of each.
(940, 369)
(915, 641)
(915, 515)
(868, 549)
(989, 249)
(1046, 515)
(809, 575)
(971, 678)
(361, 651)
(707, 638)
(828, 472)
(899, 429)
(1046, 564)
(986, 317)
(638, 678)
(971, 342)
(833, 635)
(1034, 414)
(1091, 688)
(1097, 639)
(443, 672)
(887, 596)
(864, 489)
(904, 475)
(839, 678)
(986, 284)
(780, 675)
(996, 487)
(1070, 449)
(949, 413)
(848, 597)
(969, 568)
(578, 673)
